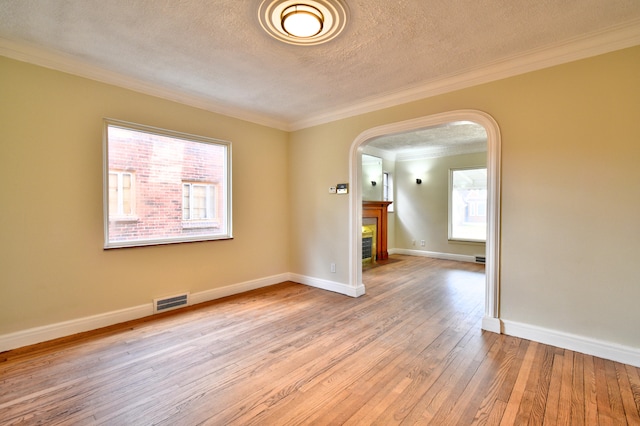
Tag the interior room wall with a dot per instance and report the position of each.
(570, 232)
(422, 210)
(371, 172)
(53, 267)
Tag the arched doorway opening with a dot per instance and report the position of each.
(490, 320)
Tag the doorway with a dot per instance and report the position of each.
(490, 320)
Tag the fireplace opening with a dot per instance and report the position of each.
(368, 243)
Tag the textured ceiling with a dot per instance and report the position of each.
(216, 52)
(459, 137)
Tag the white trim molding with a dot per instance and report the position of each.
(230, 290)
(586, 345)
(31, 336)
(336, 287)
(492, 250)
(491, 324)
(434, 254)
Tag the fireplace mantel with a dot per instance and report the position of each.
(378, 211)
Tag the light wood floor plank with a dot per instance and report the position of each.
(630, 409)
(577, 410)
(553, 395)
(517, 393)
(634, 379)
(591, 391)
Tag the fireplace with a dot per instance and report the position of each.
(375, 212)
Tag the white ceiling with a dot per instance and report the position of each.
(214, 54)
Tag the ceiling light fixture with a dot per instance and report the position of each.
(303, 22)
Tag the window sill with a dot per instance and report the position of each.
(195, 224)
(124, 219)
(462, 241)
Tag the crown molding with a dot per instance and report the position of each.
(597, 43)
(593, 44)
(62, 62)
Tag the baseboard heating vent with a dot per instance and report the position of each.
(480, 259)
(168, 303)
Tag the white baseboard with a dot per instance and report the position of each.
(328, 285)
(230, 290)
(66, 328)
(582, 344)
(35, 335)
(491, 324)
(434, 254)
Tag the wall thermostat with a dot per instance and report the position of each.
(342, 188)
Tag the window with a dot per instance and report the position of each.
(121, 196)
(199, 203)
(468, 204)
(387, 189)
(164, 187)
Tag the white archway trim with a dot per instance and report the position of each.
(491, 321)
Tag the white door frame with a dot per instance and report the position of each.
(490, 321)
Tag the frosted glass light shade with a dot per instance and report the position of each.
(302, 21)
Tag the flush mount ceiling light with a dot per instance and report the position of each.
(303, 22)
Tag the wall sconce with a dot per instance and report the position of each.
(418, 181)
(373, 183)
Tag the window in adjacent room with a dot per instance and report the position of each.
(468, 204)
(180, 190)
(387, 189)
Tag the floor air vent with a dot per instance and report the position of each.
(480, 259)
(168, 303)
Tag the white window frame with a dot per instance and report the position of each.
(218, 228)
(450, 209)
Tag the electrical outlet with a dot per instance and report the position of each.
(333, 268)
(413, 242)
(422, 243)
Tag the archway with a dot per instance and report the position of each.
(490, 321)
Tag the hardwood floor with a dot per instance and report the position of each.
(408, 352)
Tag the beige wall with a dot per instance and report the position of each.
(570, 185)
(570, 193)
(422, 211)
(52, 264)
